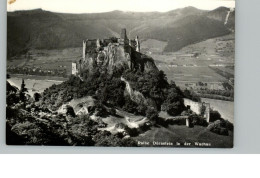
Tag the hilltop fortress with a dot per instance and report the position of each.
(110, 55)
(118, 54)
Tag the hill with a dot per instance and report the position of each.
(39, 29)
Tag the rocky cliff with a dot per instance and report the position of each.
(115, 57)
(137, 96)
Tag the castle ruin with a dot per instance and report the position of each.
(107, 54)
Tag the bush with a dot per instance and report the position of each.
(101, 111)
(36, 96)
(221, 127)
(128, 142)
(112, 111)
(101, 123)
(191, 95)
(197, 120)
(173, 104)
(226, 124)
(145, 126)
(152, 114)
(130, 106)
(105, 138)
(12, 99)
(70, 111)
(133, 132)
(176, 121)
(141, 109)
(214, 116)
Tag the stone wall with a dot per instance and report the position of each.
(74, 70)
(197, 108)
(207, 111)
(194, 106)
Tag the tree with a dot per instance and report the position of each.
(202, 110)
(8, 76)
(174, 108)
(23, 92)
(214, 115)
(129, 105)
(36, 96)
(70, 111)
(152, 114)
(173, 104)
(113, 39)
(190, 95)
(12, 99)
(141, 109)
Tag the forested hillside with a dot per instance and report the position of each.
(47, 30)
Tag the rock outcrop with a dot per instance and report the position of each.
(137, 96)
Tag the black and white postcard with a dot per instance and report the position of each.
(120, 73)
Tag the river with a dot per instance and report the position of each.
(33, 85)
(225, 108)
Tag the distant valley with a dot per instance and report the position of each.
(191, 46)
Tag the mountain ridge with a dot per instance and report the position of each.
(42, 29)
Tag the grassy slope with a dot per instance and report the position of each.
(183, 134)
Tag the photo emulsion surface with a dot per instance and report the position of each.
(120, 73)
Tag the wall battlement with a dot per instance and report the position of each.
(92, 44)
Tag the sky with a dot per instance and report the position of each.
(95, 6)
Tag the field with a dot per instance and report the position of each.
(48, 60)
(191, 74)
(191, 63)
(182, 134)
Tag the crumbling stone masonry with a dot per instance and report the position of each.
(105, 53)
(197, 108)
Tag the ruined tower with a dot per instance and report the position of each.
(74, 70)
(207, 111)
(84, 49)
(123, 37)
(130, 42)
(137, 44)
(98, 43)
(123, 34)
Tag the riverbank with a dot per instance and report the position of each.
(34, 83)
(38, 77)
